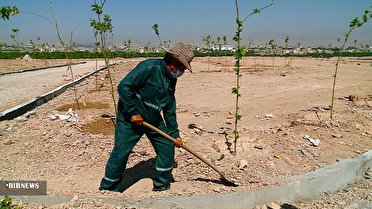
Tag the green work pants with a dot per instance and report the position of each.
(127, 135)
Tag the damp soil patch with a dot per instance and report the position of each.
(103, 126)
(83, 106)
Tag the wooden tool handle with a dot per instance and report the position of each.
(184, 147)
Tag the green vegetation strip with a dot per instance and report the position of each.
(216, 53)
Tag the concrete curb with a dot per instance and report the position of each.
(31, 104)
(41, 68)
(302, 187)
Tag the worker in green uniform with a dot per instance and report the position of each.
(144, 93)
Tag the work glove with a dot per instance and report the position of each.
(178, 142)
(137, 119)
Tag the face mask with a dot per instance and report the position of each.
(177, 74)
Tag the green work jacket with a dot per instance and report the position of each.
(149, 89)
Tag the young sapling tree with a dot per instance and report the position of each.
(286, 48)
(7, 11)
(129, 42)
(224, 39)
(272, 44)
(156, 30)
(239, 53)
(67, 47)
(96, 52)
(14, 36)
(218, 42)
(207, 41)
(354, 24)
(104, 27)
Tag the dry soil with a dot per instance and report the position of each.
(280, 104)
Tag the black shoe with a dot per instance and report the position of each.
(161, 188)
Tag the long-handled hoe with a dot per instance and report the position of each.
(222, 175)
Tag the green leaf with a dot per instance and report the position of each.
(256, 11)
(354, 22)
(238, 116)
(6, 11)
(156, 29)
(239, 53)
(239, 22)
(365, 17)
(236, 137)
(234, 90)
(97, 9)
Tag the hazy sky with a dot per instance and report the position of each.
(309, 22)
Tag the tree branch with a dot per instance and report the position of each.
(259, 10)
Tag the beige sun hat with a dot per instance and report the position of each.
(182, 53)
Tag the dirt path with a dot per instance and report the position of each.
(20, 87)
(280, 105)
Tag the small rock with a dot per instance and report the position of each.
(260, 207)
(107, 116)
(258, 147)
(303, 152)
(20, 119)
(198, 131)
(273, 205)
(8, 142)
(75, 198)
(216, 190)
(81, 153)
(216, 148)
(242, 164)
(337, 136)
(221, 131)
(353, 98)
(68, 134)
(28, 114)
(315, 142)
(269, 116)
(221, 157)
(53, 117)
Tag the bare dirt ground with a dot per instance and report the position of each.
(280, 105)
(17, 65)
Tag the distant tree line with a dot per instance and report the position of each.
(91, 55)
